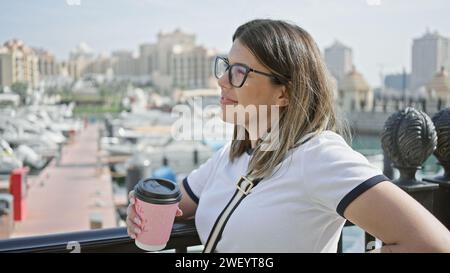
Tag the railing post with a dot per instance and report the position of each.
(441, 206)
(408, 139)
(387, 167)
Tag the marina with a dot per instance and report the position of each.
(82, 126)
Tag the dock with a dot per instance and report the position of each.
(70, 195)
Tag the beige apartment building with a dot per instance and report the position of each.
(18, 63)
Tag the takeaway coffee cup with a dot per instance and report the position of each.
(156, 204)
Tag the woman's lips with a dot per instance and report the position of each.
(224, 100)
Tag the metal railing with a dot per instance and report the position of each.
(112, 240)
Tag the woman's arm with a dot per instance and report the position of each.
(391, 215)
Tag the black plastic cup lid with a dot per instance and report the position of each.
(157, 191)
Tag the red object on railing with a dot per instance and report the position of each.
(18, 189)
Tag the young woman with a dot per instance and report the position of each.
(311, 181)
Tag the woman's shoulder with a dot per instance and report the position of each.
(322, 140)
(325, 146)
(327, 155)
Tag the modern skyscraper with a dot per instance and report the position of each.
(339, 60)
(429, 53)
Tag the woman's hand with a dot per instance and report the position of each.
(133, 220)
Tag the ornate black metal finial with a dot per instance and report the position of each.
(441, 122)
(408, 139)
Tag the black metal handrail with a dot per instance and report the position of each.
(111, 240)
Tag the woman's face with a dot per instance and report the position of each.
(257, 90)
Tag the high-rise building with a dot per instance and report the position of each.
(18, 63)
(168, 43)
(175, 61)
(429, 53)
(47, 65)
(148, 56)
(190, 69)
(339, 60)
(125, 65)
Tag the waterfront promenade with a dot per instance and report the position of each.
(72, 195)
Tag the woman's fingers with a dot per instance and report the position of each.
(179, 212)
(132, 229)
(133, 221)
(133, 216)
(131, 197)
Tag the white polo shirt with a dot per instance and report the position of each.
(298, 209)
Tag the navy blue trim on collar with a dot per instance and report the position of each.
(189, 191)
(356, 192)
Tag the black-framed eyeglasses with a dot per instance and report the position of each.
(237, 73)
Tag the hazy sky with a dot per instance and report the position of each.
(379, 31)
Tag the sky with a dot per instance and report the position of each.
(380, 32)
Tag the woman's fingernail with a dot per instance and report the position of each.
(133, 236)
(137, 230)
(137, 221)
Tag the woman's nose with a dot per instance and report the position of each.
(224, 81)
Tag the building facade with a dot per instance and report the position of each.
(439, 87)
(47, 65)
(339, 60)
(355, 93)
(175, 61)
(18, 63)
(398, 81)
(429, 53)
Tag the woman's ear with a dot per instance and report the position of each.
(282, 98)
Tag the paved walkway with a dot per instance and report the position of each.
(66, 197)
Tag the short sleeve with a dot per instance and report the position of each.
(195, 182)
(334, 174)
